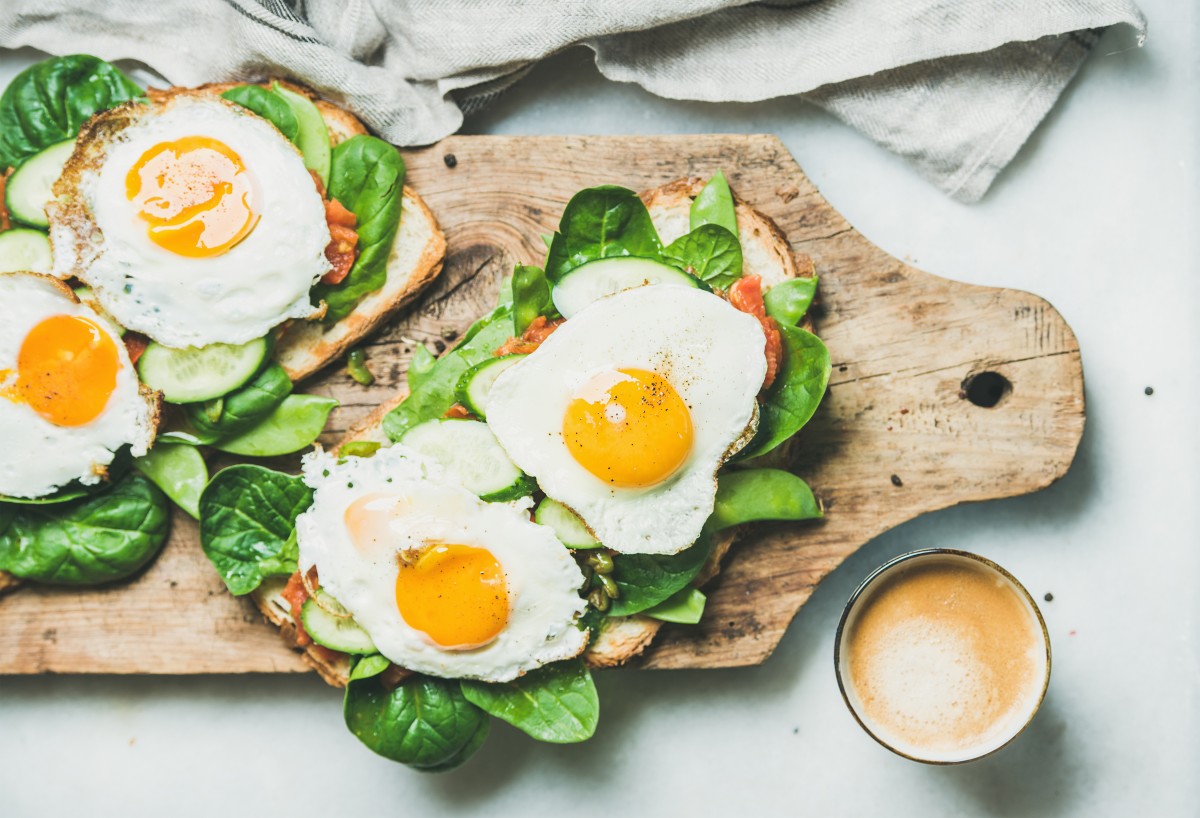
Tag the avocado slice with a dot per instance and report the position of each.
(313, 139)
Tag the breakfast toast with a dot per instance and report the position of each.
(766, 253)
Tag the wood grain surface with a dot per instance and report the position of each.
(896, 436)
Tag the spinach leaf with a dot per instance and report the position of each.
(177, 469)
(424, 722)
(49, 102)
(683, 607)
(788, 301)
(794, 396)
(555, 703)
(749, 495)
(367, 177)
(714, 205)
(710, 253)
(267, 105)
(291, 426)
(436, 390)
(601, 222)
(421, 364)
(243, 407)
(368, 666)
(645, 580)
(531, 296)
(248, 524)
(107, 536)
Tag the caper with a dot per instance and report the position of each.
(609, 585)
(602, 561)
(598, 599)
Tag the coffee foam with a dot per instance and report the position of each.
(944, 658)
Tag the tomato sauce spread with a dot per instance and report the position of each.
(533, 336)
(296, 595)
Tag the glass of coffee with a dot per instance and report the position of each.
(942, 656)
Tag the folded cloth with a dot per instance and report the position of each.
(954, 86)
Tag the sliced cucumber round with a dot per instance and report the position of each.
(468, 451)
(606, 276)
(476, 383)
(24, 250)
(194, 374)
(567, 526)
(29, 188)
(330, 625)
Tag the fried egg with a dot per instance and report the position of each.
(69, 396)
(194, 220)
(444, 583)
(626, 412)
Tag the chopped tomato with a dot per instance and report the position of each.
(533, 336)
(5, 221)
(343, 238)
(135, 344)
(746, 295)
(457, 411)
(337, 213)
(296, 594)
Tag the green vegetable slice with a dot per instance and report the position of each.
(424, 722)
(269, 105)
(556, 703)
(752, 495)
(367, 177)
(105, 537)
(796, 393)
(28, 190)
(194, 374)
(248, 524)
(685, 607)
(177, 469)
(291, 426)
(24, 249)
(49, 102)
(312, 136)
(601, 222)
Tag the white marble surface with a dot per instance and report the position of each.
(1098, 214)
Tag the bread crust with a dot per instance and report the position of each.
(621, 638)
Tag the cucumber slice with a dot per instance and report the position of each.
(606, 276)
(194, 374)
(313, 138)
(567, 526)
(336, 631)
(469, 451)
(476, 383)
(28, 189)
(23, 249)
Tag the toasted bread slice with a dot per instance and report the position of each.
(766, 253)
(415, 261)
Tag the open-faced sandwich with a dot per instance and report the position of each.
(551, 490)
(194, 253)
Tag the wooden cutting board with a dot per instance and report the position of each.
(902, 431)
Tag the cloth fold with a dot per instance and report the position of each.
(954, 86)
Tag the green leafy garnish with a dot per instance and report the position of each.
(714, 205)
(177, 469)
(421, 364)
(367, 177)
(47, 103)
(423, 722)
(267, 104)
(248, 524)
(531, 296)
(601, 222)
(556, 703)
(796, 393)
(645, 580)
(291, 426)
(104, 537)
(684, 607)
(710, 253)
(788, 301)
(752, 495)
(242, 408)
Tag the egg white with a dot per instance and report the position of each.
(542, 577)
(40, 457)
(98, 235)
(710, 352)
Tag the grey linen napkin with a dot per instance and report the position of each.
(954, 86)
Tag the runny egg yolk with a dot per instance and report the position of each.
(454, 594)
(66, 370)
(628, 427)
(195, 194)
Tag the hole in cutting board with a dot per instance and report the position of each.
(986, 389)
